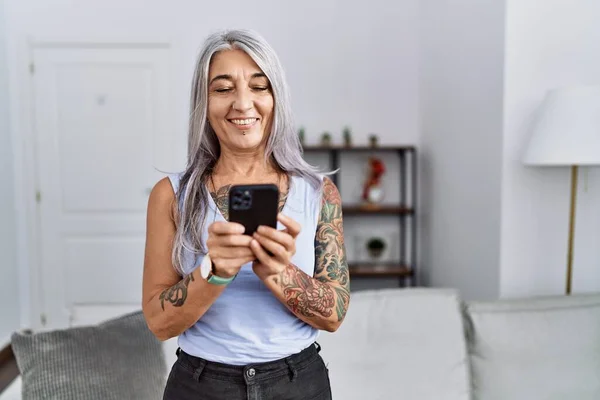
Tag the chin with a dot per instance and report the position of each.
(250, 140)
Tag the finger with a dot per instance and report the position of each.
(293, 227)
(231, 266)
(233, 240)
(244, 260)
(226, 228)
(281, 237)
(232, 252)
(275, 248)
(216, 241)
(261, 254)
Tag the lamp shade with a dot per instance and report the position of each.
(567, 129)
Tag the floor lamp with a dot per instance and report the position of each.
(567, 133)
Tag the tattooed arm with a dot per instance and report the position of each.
(320, 301)
(171, 304)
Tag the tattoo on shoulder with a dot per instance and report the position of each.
(282, 200)
(176, 294)
(221, 200)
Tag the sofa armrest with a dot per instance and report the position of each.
(9, 370)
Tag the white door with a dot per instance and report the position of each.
(102, 128)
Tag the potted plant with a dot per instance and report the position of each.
(373, 140)
(347, 133)
(326, 139)
(376, 246)
(301, 135)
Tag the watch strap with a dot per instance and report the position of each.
(209, 273)
(217, 280)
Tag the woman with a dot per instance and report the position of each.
(247, 327)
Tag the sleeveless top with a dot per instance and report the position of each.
(247, 324)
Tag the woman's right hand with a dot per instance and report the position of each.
(228, 248)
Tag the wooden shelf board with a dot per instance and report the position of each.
(383, 210)
(379, 270)
(359, 148)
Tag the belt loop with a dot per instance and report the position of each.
(199, 370)
(318, 346)
(178, 351)
(292, 368)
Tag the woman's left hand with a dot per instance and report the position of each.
(281, 244)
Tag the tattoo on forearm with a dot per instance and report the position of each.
(330, 252)
(176, 294)
(304, 295)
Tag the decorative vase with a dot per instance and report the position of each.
(375, 194)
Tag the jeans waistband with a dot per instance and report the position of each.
(250, 372)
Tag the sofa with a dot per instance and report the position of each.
(427, 344)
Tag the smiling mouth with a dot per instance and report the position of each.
(243, 123)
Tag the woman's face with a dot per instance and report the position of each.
(240, 101)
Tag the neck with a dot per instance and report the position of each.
(247, 165)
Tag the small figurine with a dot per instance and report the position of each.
(372, 190)
(347, 133)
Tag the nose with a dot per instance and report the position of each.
(242, 101)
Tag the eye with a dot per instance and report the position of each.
(223, 90)
(261, 88)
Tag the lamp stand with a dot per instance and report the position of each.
(574, 175)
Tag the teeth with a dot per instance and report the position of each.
(247, 121)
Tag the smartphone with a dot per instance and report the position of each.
(254, 205)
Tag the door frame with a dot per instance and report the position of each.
(25, 164)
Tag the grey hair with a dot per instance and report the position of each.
(283, 146)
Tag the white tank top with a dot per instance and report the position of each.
(247, 324)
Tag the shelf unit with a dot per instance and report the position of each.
(405, 269)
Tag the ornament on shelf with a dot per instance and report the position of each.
(326, 139)
(373, 140)
(347, 133)
(372, 190)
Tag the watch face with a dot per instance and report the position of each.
(205, 267)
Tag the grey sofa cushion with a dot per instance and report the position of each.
(117, 359)
(399, 344)
(545, 348)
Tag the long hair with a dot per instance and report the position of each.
(283, 145)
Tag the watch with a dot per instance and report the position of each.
(207, 272)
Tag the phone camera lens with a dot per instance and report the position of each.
(241, 199)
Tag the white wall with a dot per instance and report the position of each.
(461, 66)
(9, 283)
(350, 63)
(353, 63)
(488, 225)
(549, 43)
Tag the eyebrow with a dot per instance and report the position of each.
(230, 78)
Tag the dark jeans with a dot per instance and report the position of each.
(302, 376)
